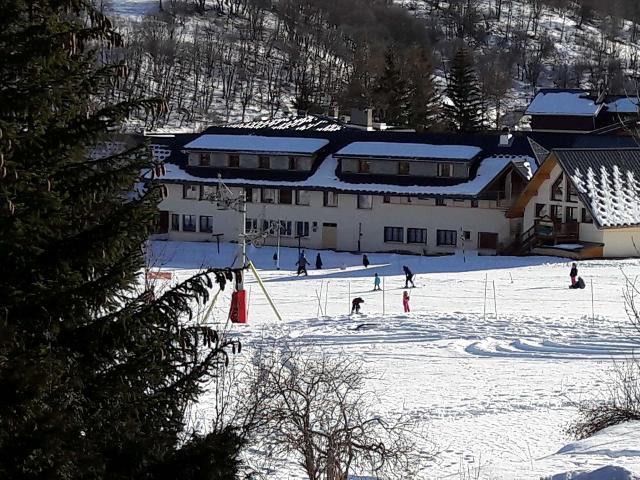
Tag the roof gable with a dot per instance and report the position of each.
(608, 182)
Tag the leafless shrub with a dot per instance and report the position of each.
(313, 406)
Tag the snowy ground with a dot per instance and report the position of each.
(495, 381)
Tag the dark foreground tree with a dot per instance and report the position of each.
(465, 107)
(96, 371)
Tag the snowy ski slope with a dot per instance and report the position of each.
(496, 381)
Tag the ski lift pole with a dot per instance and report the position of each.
(264, 290)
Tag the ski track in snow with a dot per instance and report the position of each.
(495, 391)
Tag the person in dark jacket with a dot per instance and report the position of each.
(302, 264)
(408, 277)
(318, 262)
(365, 260)
(573, 274)
(355, 304)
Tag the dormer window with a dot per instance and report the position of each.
(403, 167)
(264, 162)
(234, 161)
(363, 166)
(557, 188)
(205, 161)
(445, 170)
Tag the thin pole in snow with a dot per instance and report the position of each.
(248, 300)
(383, 294)
(319, 311)
(349, 306)
(593, 315)
(326, 298)
(495, 304)
(511, 277)
(485, 298)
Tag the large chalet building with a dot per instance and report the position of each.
(317, 183)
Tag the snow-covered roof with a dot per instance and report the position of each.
(623, 105)
(409, 150)
(298, 123)
(325, 178)
(574, 103)
(608, 182)
(257, 144)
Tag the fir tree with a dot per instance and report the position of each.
(466, 107)
(96, 374)
(425, 102)
(394, 92)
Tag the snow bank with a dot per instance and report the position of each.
(258, 144)
(409, 150)
(605, 473)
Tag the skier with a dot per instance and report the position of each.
(275, 258)
(365, 260)
(376, 282)
(573, 274)
(408, 277)
(355, 304)
(405, 301)
(302, 264)
(318, 262)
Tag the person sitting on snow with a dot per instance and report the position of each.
(355, 304)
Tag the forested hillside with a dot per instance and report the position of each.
(232, 60)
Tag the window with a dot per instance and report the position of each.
(445, 170)
(416, 235)
(188, 223)
(571, 214)
(440, 202)
(474, 203)
(540, 210)
(556, 212)
(190, 192)
(556, 188)
(248, 195)
(488, 240)
(586, 216)
(365, 202)
(234, 161)
(206, 224)
(403, 167)
(330, 199)
(447, 238)
(268, 195)
(466, 235)
(175, 222)
(292, 163)
(263, 162)
(302, 229)
(207, 192)
(386, 199)
(286, 197)
(572, 193)
(303, 197)
(363, 166)
(251, 225)
(285, 228)
(394, 234)
(205, 161)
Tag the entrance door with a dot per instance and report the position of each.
(329, 236)
(487, 240)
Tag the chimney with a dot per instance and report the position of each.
(506, 138)
(363, 118)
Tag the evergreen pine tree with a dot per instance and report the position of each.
(466, 107)
(425, 102)
(95, 372)
(394, 92)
